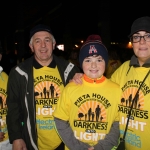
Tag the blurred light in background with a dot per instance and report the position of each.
(129, 45)
(60, 47)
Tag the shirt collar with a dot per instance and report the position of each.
(134, 62)
(36, 65)
(98, 80)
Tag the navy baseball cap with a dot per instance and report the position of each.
(40, 27)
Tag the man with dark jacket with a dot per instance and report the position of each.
(30, 114)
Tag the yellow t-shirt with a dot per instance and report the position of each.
(137, 136)
(48, 87)
(90, 108)
(3, 106)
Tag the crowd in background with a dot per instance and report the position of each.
(10, 58)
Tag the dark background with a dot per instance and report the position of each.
(80, 18)
(70, 21)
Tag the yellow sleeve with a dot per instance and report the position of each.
(63, 106)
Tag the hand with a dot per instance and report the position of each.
(2, 136)
(91, 148)
(19, 144)
(77, 78)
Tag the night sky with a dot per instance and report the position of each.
(82, 17)
(123, 14)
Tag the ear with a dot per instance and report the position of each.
(31, 47)
(54, 43)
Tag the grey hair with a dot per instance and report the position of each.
(53, 39)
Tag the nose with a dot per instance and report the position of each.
(93, 65)
(43, 43)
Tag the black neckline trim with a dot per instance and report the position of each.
(36, 65)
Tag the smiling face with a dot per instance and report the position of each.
(42, 45)
(141, 48)
(93, 66)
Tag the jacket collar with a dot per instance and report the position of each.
(134, 62)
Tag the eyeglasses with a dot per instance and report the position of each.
(137, 38)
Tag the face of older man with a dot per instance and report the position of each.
(42, 46)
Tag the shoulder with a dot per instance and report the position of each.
(72, 87)
(3, 76)
(124, 67)
(126, 63)
(112, 83)
(71, 84)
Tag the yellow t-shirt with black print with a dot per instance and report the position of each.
(130, 79)
(90, 108)
(47, 90)
(3, 106)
